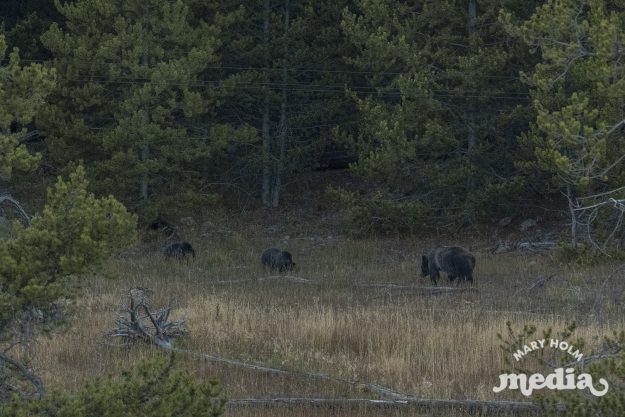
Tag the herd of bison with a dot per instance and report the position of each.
(455, 261)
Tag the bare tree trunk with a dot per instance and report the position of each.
(145, 147)
(569, 198)
(283, 118)
(470, 113)
(145, 154)
(472, 21)
(267, 157)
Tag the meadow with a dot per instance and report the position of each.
(354, 309)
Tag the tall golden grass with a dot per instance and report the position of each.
(438, 346)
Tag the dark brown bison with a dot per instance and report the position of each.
(277, 259)
(453, 260)
(179, 250)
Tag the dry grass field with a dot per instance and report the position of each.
(428, 345)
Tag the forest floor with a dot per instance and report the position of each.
(354, 309)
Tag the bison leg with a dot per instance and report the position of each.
(434, 275)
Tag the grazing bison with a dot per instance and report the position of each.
(179, 250)
(277, 259)
(453, 260)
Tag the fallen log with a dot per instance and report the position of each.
(382, 391)
(481, 405)
(422, 290)
(288, 278)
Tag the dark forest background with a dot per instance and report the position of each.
(445, 113)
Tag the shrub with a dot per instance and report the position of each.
(152, 389)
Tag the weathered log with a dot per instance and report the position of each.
(535, 246)
(288, 278)
(384, 392)
(482, 405)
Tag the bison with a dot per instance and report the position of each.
(453, 260)
(277, 259)
(179, 250)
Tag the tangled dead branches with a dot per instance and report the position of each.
(140, 324)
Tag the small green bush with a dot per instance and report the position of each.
(587, 255)
(366, 216)
(152, 389)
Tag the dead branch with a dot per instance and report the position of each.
(585, 215)
(145, 325)
(33, 379)
(539, 283)
(6, 198)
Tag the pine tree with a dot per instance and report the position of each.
(23, 90)
(440, 108)
(576, 141)
(286, 78)
(41, 266)
(24, 22)
(135, 100)
(154, 388)
(40, 262)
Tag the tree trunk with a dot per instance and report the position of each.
(267, 157)
(145, 155)
(472, 20)
(145, 147)
(470, 112)
(283, 118)
(569, 198)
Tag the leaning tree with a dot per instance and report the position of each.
(42, 258)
